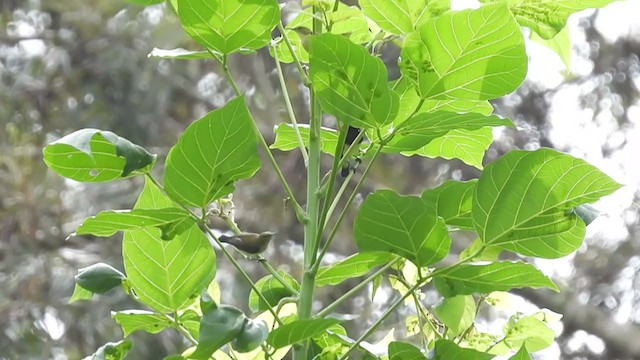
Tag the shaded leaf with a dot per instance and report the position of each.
(272, 290)
(457, 313)
(466, 279)
(218, 326)
(404, 351)
(99, 278)
(112, 351)
(80, 293)
(448, 350)
(403, 225)
(213, 153)
(253, 334)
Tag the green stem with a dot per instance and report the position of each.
(356, 288)
(292, 115)
(307, 287)
(303, 74)
(337, 198)
(298, 209)
(181, 329)
(346, 207)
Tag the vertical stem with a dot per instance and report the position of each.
(307, 286)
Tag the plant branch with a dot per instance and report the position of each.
(287, 41)
(292, 115)
(184, 332)
(336, 199)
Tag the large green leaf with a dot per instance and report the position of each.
(213, 153)
(448, 350)
(231, 25)
(286, 139)
(547, 17)
(467, 279)
(403, 16)
(468, 146)
(452, 201)
(93, 155)
(527, 331)
(135, 320)
(272, 290)
(423, 128)
(456, 313)
(403, 225)
(298, 330)
(170, 221)
(112, 351)
(218, 326)
(524, 201)
(469, 54)
(354, 266)
(283, 52)
(350, 83)
(404, 351)
(165, 275)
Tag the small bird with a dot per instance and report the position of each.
(352, 134)
(249, 243)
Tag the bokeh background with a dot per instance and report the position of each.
(70, 64)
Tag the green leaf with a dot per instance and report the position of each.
(547, 17)
(80, 293)
(522, 354)
(272, 290)
(213, 153)
(350, 83)
(466, 279)
(423, 128)
(403, 225)
(286, 139)
(403, 16)
(298, 330)
(560, 44)
(112, 351)
(524, 201)
(218, 326)
(448, 350)
(469, 54)
(404, 351)
(191, 321)
(99, 278)
(467, 146)
(92, 155)
(231, 25)
(457, 313)
(587, 213)
(253, 333)
(171, 221)
(178, 54)
(452, 201)
(281, 48)
(354, 266)
(166, 275)
(134, 320)
(528, 331)
(351, 22)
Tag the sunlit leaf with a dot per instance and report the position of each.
(467, 279)
(560, 44)
(403, 225)
(135, 320)
(286, 139)
(170, 221)
(404, 351)
(402, 16)
(548, 185)
(522, 354)
(452, 201)
(527, 331)
(457, 313)
(166, 275)
(93, 155)
(112, 351)
(213, 153)
(297, 331)
(469, 54)
(272, 290)
(354, 266)
(231, 25)
(350, 83)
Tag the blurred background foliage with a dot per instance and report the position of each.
(70, 64)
